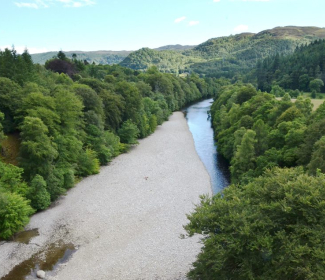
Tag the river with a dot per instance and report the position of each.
(200, 127)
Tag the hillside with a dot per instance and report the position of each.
(175, 48)
(169, 61)
(226, 56)
(99, 57)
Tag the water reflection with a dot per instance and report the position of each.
(200, 127)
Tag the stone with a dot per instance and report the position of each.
(40, 274)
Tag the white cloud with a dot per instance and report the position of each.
(241, 28)
(77, 4)
(46, 3)
(255, 0)
(26, 5)
(179, 19)
(216, 0)
(193, 22)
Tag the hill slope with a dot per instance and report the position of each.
(226, 56)
(99, 57)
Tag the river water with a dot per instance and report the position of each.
(200, 127)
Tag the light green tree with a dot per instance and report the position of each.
(14, 213)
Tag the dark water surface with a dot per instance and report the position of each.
(200, 127)
(48, 260)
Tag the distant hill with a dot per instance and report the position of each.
(174, 48)
(99, 57)
(226, 56)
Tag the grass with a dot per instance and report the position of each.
(315, 101)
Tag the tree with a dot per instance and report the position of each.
(61, 66)
(37, 151)
(10, 100)
(11, 179)
(304, 82)
(244, 158)
(261, 130)
(271, 228)
(14, 213)
(114, 107)
(38, 194)
(132, 98)
(318, 157)
(128, 133)
(316, 85)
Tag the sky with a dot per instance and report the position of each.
(91, 25)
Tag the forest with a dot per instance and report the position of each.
(62, 121)
(268, 224)
(304, 70)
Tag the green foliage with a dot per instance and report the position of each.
(88, 163)
(38, 195)
(277, 90)
(303, 70)
(14, 213)
(317, 162)
(316, 85)
(128, 133)
(282, 131)
(10, 99)
(244, 157)
(37, 152)
(271, 228)
(11, 179)
(16, 67)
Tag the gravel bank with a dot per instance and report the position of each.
(127, 220)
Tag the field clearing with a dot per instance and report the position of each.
(315, 102)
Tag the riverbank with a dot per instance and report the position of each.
(126, 221)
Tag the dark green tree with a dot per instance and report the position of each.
(271, 228)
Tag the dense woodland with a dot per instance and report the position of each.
(64, 120)
(304, 70)
(269, 223)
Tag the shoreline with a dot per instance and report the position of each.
(127, 220)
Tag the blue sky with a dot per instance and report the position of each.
(90, 25)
